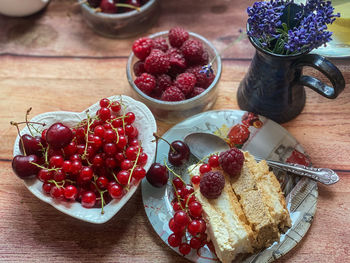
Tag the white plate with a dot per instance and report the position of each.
(144, 122)
(271, 141)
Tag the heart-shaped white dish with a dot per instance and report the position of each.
(144, 122)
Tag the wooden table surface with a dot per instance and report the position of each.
(52, 61)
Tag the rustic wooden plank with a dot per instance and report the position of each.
(60, 30)
(72, 85)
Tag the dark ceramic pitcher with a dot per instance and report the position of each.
(274, 84)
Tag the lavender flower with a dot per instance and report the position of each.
(207, 69)
(309, 28)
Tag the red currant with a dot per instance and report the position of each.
(70, 192)
(56, 192)
(214, 161)
(86, 173)
(123, 177)
(178, 183)
(104, 102)
(126, 164)
(131, 152)
(88, 199)
(204, 168)
(110, 162)
(70, 149)
(67, 166)
(97, 160)
(99, 131)
(195, 243)
(181, 218)
(117, 123)
(139, 173)
(76, 167)
(110, 148)
(115, 190)
(59, 175)
(174, 240)
(104, 113)
(102, 182)
(56, 161)
(177, 229)
(194, 227)
(110, 135)
(44, 175)
(122, 142)
(129, 117)
(184, 248)
(115, 106)
(196, 179)
(47, 187)
(195, 209)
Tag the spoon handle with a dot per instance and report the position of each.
(322, 175)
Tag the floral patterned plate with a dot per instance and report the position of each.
(260, 136)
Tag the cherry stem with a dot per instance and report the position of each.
(128, 6)
(87, 134)
(133, 168)
(27, 113)
(160, 138)
(20, 137)
(173, 172)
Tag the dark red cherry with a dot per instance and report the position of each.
(59, 135)
(23, 167)
(32, 145)
(108, 6)
(157, 175)
(94, 3)
(179, 153)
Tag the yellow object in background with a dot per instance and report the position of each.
(341, 26)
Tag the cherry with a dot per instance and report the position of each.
(174, 240)
(115, 190)
(23, 167)
(32, 145)
(108, 6)
(88, 199)
(184, 248)
(94, 3)
(179, 153)
(157, 175)
(59, 135)
(70, 192)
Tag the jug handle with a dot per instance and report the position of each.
(328, 69)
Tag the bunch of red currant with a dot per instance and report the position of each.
(92, 163)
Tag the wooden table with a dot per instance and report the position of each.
(52, 61)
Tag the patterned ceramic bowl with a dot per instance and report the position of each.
(172, 112)
(121, 25)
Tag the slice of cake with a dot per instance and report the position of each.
(250, 213)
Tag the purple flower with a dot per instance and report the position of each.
(303, 32)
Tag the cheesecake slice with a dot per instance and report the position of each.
(227, 225)
(250, 213)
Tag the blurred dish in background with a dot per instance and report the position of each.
(21, 7)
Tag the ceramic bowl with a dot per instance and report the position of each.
(21, 8)
(173, 112)
(121, 25)
(144, 122)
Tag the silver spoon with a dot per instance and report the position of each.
(203, 144)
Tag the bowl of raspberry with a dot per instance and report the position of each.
(119, 18)
(175, 73)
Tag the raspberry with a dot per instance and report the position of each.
(172, 94)
(142, 47)
(202, 80)
(163, 82)
(185, 82)
(161, 44)
(157, 62)
(231, 161)
(196, 91)
(176, 58)
(211, 184)
(146, 83)
(192, 50)
(205, 58)
(177, 36)
(139, 68)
